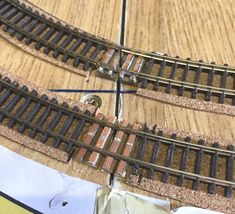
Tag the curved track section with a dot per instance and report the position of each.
(117, 147)
(84, 51)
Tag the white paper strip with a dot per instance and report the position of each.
(43, 188)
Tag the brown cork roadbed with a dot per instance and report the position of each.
(149, 94)
(187, 102)
(31, 86)
(41, 55)
(195, 198)
(33, 144)
(166, 98)
(224, 142)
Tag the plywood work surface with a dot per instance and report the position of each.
(88, 15)
(201, 29)
(49, 76)
(196, 29)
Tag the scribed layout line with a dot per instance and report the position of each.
(121, 41)
(118, 82)
(68, 131)
(123, 23)
(92, 91)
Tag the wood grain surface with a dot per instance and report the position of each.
(197, 29)
(74, 168)
(49, 76)
(200, 29)
(101, 18)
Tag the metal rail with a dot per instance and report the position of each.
(138, 68)
(93, 138)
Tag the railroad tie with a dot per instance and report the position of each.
(121, 168)
(75, 45)
(184, 78)
(30, 116)
(229, 172)
(64, 44)
(20, 111)
(160, 73)
(198, 165)
(56, 39)
(138, 66)
(42, 119)
(15, 20)
(13, 102)
(66, 127)
(10, 13)
(89, 138)
(7, 94)
(46, 37)
(28, 28)
(126, 65)
(211, 75)
(109, 162)
(155, 152)
(37, 33)
(93, 56)
(106, 59)
(83, 52)
(103, 139)
(78, 130)
(213, 169)
(172, 76)
(5, 80)
(140, 152)
(53, 123)
(148, 66)
(169, 159)
(183, 162)
(197, 80)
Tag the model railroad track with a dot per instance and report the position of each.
(188, 78)
(117, 147)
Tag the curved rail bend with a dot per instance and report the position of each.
(153, 71)
(117, 147)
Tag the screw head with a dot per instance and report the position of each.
(92, 99)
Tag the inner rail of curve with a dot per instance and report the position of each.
(65, 132)
(86, 52)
